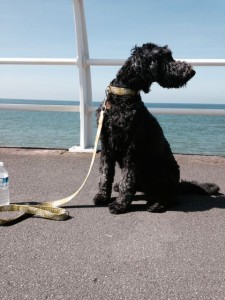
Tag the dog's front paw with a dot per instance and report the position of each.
(101, 199)
(118, 208)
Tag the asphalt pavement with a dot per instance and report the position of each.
(95, 255)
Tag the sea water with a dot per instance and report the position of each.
(186, 134)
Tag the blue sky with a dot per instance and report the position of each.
(45, 28)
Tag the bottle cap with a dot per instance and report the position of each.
(1, 164)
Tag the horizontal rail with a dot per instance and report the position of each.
(97, 62)
(181, 111)
(188, 111)
(194, 62)
(76, 108)
(37, 107)
(104, 62)
(38, 61)
(205, 62)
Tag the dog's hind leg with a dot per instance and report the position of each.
(107, 172)
(126, 189)
(160, 203)
(154, 205)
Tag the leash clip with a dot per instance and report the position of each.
(104, 105)
(103, 108)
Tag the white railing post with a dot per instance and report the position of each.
(86, 135)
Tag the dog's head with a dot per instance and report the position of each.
(151, 63)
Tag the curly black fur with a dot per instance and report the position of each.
(133, 138)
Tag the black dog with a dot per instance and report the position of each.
(132, 137)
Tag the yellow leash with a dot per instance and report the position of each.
(51, 210)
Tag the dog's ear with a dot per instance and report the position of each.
(138, 72)
(144, 64)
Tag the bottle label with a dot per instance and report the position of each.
(4, 181)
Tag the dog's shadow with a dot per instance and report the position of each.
(187, 203)
(194, 203)
(190, 203)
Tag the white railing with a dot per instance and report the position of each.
(99, 62)
(83, 62)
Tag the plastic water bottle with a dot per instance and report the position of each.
(4, 185)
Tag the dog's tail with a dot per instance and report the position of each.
(193, 187)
